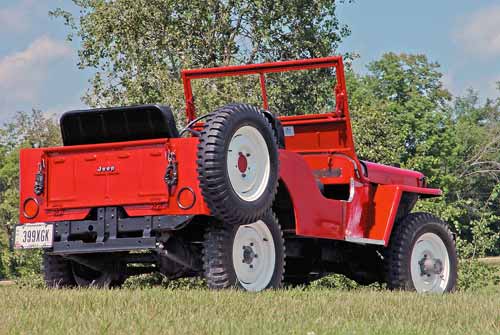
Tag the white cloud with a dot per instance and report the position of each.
(480, 33)
(23, 74)
(18, 17)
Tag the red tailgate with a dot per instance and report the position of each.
(123, 175)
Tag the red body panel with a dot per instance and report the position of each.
(315, 215)
(383, 174)
(368, 216)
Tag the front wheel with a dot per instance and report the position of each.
(421, 255)
(250, 257)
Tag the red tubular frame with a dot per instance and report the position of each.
(261, 70)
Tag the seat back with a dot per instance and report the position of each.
(117, 124)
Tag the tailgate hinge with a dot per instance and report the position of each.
(40, 178)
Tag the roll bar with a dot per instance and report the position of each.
(261, 70)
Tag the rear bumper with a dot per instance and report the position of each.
(110, 233)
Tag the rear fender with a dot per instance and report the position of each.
(315, 215)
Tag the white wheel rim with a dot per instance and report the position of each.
(248, 163)
(430, 264)
(254, 256)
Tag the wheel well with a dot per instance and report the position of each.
(406, 204)
(283, 208)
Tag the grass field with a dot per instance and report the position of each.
(161, 311)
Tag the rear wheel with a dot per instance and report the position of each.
(421, 255)
(87, 277)
(250, 257)
(61, 272)
(238, 164)
(57, 272)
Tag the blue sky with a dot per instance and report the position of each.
(38, 67)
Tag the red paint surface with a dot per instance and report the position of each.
(75, 181)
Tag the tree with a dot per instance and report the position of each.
(138, 48)
(25, 130)
(415, 124)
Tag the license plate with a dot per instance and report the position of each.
(34, 235)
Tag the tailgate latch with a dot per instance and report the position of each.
(40, 178)
(171, 177)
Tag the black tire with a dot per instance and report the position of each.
(57, 272)
(397, 256)
(223, 201)
(297, 272)
(218, 262)
(63, 273)
(86, 277)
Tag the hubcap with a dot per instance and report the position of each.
(254, 256)
(248, 163)
(430, 264)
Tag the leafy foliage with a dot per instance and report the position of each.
(138, 48)
(24, 131)
(474, 276)
(415, 124)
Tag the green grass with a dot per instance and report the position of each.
(161, 311)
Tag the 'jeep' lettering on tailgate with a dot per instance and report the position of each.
(110, 168)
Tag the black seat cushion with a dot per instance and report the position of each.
(117, 124)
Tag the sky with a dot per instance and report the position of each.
(38, 67)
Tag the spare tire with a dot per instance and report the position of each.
(238, 164)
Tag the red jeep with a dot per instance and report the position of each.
(240, 196)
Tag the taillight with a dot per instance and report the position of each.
(186, 198)
(30, 208)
